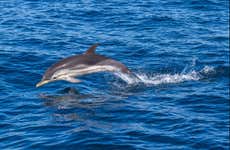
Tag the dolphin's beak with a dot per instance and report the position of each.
(42, 83)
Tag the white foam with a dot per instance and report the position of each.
(208, 69)
(157, 79)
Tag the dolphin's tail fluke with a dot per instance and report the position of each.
(131, 74)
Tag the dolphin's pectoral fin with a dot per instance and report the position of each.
(72, 80)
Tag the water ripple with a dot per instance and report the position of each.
(178, 97)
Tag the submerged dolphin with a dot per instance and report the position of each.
(89, 62)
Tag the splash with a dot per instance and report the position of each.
(156, 79)
(207, 70)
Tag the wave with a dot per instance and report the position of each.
(156, 79)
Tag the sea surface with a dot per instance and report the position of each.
(178, 49)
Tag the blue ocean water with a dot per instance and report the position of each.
(178, 49)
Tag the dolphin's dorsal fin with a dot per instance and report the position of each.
(92, 49)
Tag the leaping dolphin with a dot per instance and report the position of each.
(89, 62)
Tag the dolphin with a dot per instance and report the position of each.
(89, 62)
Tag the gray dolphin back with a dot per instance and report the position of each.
(88, 59)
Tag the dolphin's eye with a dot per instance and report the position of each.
(54, 77)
